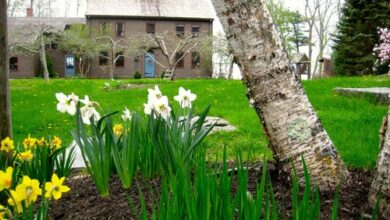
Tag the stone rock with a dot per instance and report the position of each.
(380, 95)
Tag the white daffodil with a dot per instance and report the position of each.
(154, 94)
(148, 107)
(126, 116)
(162, 108)
(88, 111)
(67, 103)
(185, 98)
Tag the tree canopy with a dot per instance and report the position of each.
(357, 35)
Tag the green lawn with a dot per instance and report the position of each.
(352, 123)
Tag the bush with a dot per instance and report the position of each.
(137, 75)
(162, 74)
(50, 67)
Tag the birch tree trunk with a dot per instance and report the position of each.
(289, 121)
(5, 108)
(42, 57)
(381, 183)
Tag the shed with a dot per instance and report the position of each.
(301, 63)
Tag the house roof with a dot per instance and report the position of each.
(184, 9)
(300, 58)
(24, 29)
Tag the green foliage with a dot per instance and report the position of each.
(96, 150)
(137, 75)
(291, 26)
(357, 34)
(352, 123)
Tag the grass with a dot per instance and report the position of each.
(353, 124)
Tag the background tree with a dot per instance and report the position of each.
(291, 26)
(357, 34)
(298, 35)
(5, 108)
(289, 120)
(174, 47)
(326, 10)
(77, 41)
(311, 8)
(32, 38)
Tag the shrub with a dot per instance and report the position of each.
(50, 67)
(162, 74)
(137, 75)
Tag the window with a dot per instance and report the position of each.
(103, 60)
(180, 30)
(195, 30)
(121, 60)
(180, 64)
(13, 63)
(150, 28)
(120, 30)
(195, 60)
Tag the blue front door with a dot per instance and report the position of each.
(69, 65)
(149, 66)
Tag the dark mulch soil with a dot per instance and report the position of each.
(84, 202)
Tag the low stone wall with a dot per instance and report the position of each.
(380, 95)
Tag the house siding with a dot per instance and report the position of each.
(137, 27)
(27, 67)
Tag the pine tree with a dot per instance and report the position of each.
(357, 35)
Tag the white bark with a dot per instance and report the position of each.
(289, 120)
(381, 183)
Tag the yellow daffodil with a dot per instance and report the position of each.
(29, 143)
(55, 188)
(118, 129)
(41, 142)
(26, 156)
(31, 187)
(6, 178)
(2, 212)
(56, 142)
(7, 145)
(17, 197)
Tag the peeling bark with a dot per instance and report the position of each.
(381, 183)
(289, 120)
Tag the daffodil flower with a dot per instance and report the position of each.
(7, 145)
(67, 103)
(29, 143)
(55, 188)
(118, 129)
(162, 108)
(26, 156)
(126, 116)
(88, 111)
(16, 199)
(6, 178)
(154, 94)
(31, 189)
(185, 98)
(56, 142)
(148, 107)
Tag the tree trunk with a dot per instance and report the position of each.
(5, 108)
(289, 120)
(42, 57)
(381, 183)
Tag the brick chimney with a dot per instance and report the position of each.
(30, 12)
